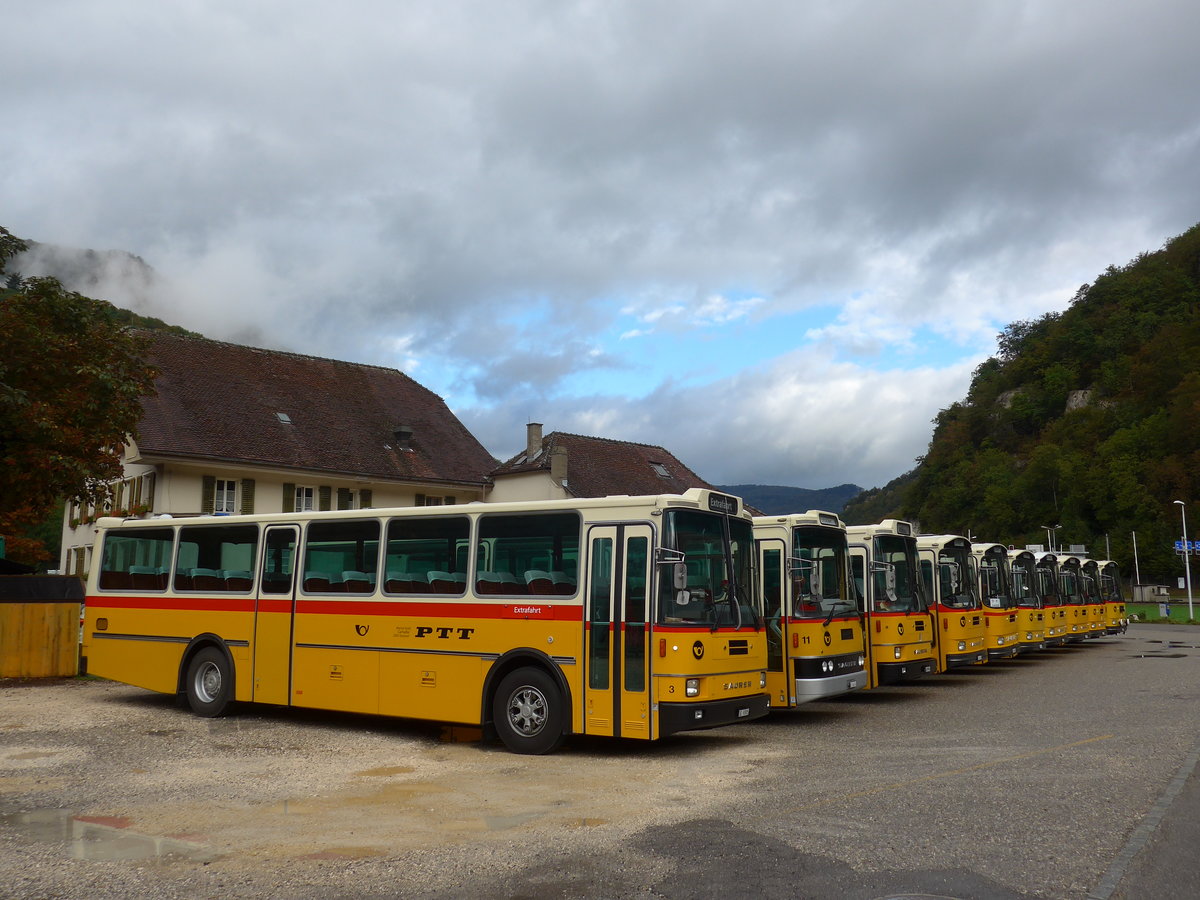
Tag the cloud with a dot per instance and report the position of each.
(397, 184)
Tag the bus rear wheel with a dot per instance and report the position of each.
(209, 683)
(528, 712)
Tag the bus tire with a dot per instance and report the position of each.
(527, 711)
(209, 683)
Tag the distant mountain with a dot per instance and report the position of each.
(777, 500)
(121, 278)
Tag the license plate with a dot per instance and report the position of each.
(853, 684)
(743, 712)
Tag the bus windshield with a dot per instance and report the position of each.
(993, 581)
(955, 588)
(895, 583)
(1070, 586)
(1023, 585)
(1048, 587)
(719, 560)
(818, 569)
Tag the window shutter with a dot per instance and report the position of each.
(289, 498)
(208, 495)
(420, 500)
(325, 498)
(148, 497)
(343, 498)
(247, 496)
(364, 498)
(450, 501)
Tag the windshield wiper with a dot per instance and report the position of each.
(833, 609)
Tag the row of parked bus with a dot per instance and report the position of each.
(633, 617)
(868, 605)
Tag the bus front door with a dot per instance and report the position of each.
(616, 676)
(273, 611)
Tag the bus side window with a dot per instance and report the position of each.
(216, 558)
(341, 556)
(137, 559)
(419, 545)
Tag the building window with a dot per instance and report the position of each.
(660, 470)
(225, 498)
(304, 498)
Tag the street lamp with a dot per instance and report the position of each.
(1187, 562)
(1050, 534)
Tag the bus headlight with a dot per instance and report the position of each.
(762, 679)
(896, 652)
(862, 660)
(692, 687)
(962, 645)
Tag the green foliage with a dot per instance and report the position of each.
(71, 381)
(1014, 458)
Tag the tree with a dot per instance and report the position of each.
(71, 381)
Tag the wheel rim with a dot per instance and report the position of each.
(207, 682)
(527, 711)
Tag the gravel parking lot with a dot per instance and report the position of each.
(1026, 778)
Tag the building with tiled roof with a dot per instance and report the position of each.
(562, 465)
(237, 429)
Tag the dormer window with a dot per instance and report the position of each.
(660, 470)
(284, 418)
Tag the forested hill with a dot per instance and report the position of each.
(1088, 419)
(779, 499)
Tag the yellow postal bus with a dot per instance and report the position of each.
(1058, 628)
(1024, 586)
(999, 606)
(1075, 603)
(1116, 621)
(899, 638)
(946, 571)
(814, 627)
(634, 617)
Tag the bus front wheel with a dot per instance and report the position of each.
(209, 683)
(528, 712)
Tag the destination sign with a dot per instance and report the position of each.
(723, 503)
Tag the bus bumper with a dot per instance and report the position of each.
(1031, 646)
(1002, 652)
(958, 660)
(897, 672)
(674, 717)
(808, 689)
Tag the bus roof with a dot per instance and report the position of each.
(694, 498)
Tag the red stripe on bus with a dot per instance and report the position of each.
(304, 605)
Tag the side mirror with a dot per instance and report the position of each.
(679, 576)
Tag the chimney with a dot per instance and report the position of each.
(403, 435)
(558, 465)
(533, 440)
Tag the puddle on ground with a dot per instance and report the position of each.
(585, 823)
(1175, 645)
(384, 771)
(1158, 655)
(106, 838)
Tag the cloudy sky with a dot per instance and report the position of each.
(774, 237)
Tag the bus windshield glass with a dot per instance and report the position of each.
(1022, 585)
(1048, 586)
(1110, 584)
(993, 581)
(894, 579)
(955, 588)
(818, 566)
(718, 553)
